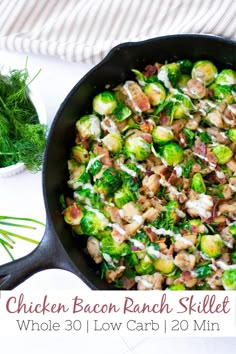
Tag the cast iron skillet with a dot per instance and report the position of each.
(58, 249)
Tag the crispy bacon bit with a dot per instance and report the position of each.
(211, 157)
(150, 70)
(164, 119)
(177, 126)
(100, 150)
(173, 178)
(146, 126)
(147, 137)
(199, 147)
(139, 99)
(127, 283)
(152, 236)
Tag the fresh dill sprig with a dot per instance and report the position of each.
(22, 137)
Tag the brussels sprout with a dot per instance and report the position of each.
(89, 127)
(222, 153)
(223, 92)
(205, 71)
(109, 182)
(80, 154)
(93, 222)
(162, 135)
(132, 259)
(211, 245)
(78, 174)
(172, 153)
(232, 135)
(113, 142)
(198, 184)
(226, 77)
(123, 196)
(232, 230)
(104, 103)
(139, 77)
(182, 82)
(176, 287)
(138, 147)
(164, 264)
(155, 92)
(73, 214)
(185, 66)
(144, 267)
(181, 106)
(113, 249)
(190, 137)
(88, 197)
(121, 112)
(94, 165)
(169, 74)
(229, 279)
(203, 270)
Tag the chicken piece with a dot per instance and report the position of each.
(151, 184)
(118, 234)
(150, 282)
(195, 89)
(131, 213)
(227, 237)
(187, 241)
(215, 280)
(231, 165)
(114, 214)
(93, 247)
(187, 279)
(217, 135)
(227, 192)
(132, 228)
(232, 183)
(193, 124)
(227, 208)
(112, 275)
(135, 98)
(215, 118)
(185, 261)
(160, 170)
(151, 214)
(199, 205)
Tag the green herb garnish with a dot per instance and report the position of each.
(22, 137)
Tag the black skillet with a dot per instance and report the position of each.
(58, 249)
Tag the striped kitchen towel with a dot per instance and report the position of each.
(85, 30)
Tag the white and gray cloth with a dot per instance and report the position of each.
(85, 30)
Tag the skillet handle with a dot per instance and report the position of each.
(47, 255)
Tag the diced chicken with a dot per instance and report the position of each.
(215, 280)
(227, 191)
(215, 118)
(112, 275)
(160, 170)
(151, 214)
(227, 237)
(151, 184)
(217, 135)
(227, 208)
(118, 233)
(195, 89)
(187, 242)
(114, 214)
(185, 261)
(231, 165)
(150, 282)
(93, 247)
(135, 98)
(132, 228)
(199, 205)
(193, 124)
(187, 279)
(130, 213)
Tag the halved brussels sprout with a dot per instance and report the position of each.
(181, 106)
(109, 182)
(232, 230)
(138, 147)
(94, 165)
(93, 222)
(182, 82)
(162, 135)
(233, 257)
(223, 92)
(205, 71)
(155, 92)
(121, 112)
(198, 184)
(144, 267)
(104, 103)
(223, 153)
(169, 74)
(78, 174)
(123, 196)
(172, 153)
(73, 214)
(113, 249)
(171, 208)
(232, 135)
(185, 66)
(229, 279)
(176, 287)
(164, 264)
(80, 154)
(226, 77)
(89, 127)
(211, 245)
(113, 142)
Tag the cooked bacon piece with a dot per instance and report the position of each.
(100, 150)
(152, 235)
(173, 178)
(147, 126)
(112, 275)
(127, 283)
(114, 214)
(195, 89)
(150, 70)
(164, 119)
(177, 126)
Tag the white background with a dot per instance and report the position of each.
(22, 196)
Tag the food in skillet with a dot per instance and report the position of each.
(153, 178)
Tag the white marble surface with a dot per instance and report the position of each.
(21, 195)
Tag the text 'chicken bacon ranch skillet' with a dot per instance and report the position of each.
(153, 179)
